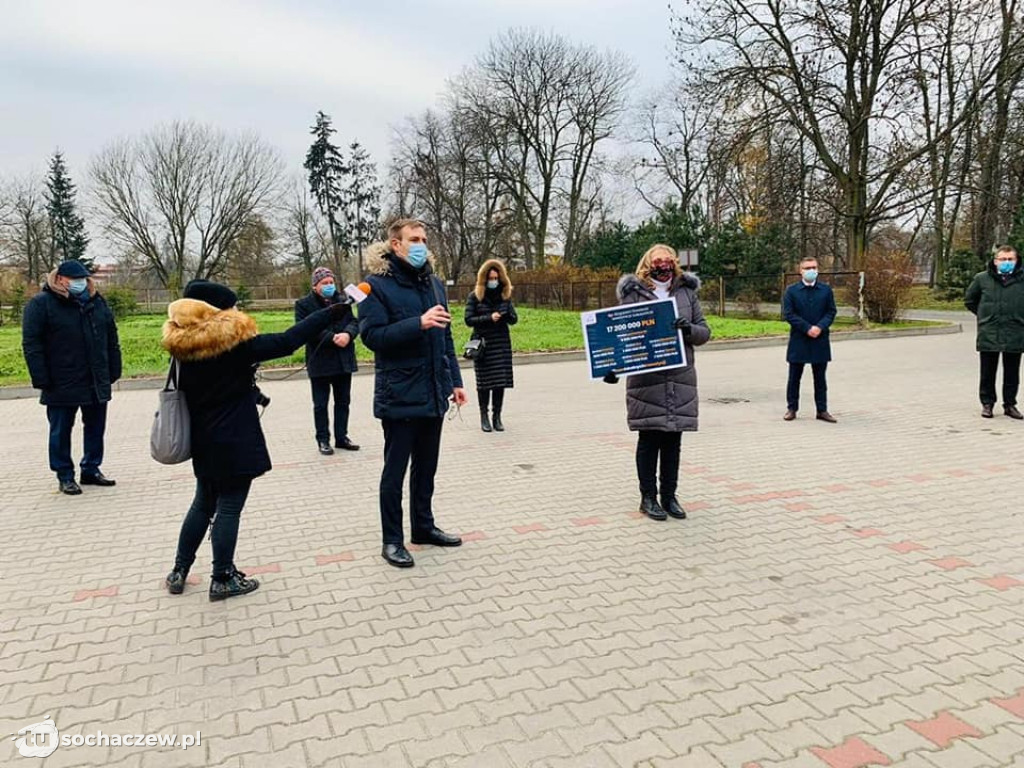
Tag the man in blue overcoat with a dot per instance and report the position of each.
(809, 307)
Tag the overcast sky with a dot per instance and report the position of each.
(75, 74)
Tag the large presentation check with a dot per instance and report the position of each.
(633, 338)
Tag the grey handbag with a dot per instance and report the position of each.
(170, 440)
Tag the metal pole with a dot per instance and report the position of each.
(721, 296)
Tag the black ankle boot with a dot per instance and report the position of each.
(176, 580)
(672, 507)
(237, 584)
(649, 506)
(498, 426)
(485, 423)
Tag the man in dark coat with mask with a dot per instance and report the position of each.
(330, 360)
(73, 355)
(809, 307)
(406, 322)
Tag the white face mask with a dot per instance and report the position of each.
(492, 284)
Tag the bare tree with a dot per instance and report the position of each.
(842, 71)
(181, 196)
(545, 106)
(24, 229)
(307, 238)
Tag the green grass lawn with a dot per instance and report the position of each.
(539, 330)
(922, 297)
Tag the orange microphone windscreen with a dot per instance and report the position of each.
(365, 288)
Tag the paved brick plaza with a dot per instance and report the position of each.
(842, 596)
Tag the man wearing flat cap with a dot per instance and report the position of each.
(73, 355)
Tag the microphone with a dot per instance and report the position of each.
(354, 294)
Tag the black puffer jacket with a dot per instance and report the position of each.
(70, 346)
(218, 351)
(324, 357)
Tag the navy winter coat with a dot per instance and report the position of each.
(804, 306)
(416, 370)
(323, 357)
(70, 346)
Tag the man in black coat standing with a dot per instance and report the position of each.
(406, 322)
(809, 307)
(73, 355)
(330, 360)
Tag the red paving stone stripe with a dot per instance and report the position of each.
(920, 478)
(951, 563)
(531, 528)
(837, 488)
(879, 483)
(1002, 582)
(582, 521)
(473, 536)
(256, 570)
(340, 557)
(943, 729)
(852, 753)
(768, 496)
(798, 506)
(905, 547)
(830, 519)
(867, 533)
(1014, 705)
(88, 594)
(959, 473)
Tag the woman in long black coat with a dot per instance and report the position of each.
(489, 312)
(217, 348)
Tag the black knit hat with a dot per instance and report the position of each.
(219, 296)
(72, 268)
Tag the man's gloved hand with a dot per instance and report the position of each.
(682, 324)
(610, 378)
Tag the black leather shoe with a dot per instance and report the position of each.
(485, 423)
(826, 416)
(673, 508)
(237, 585)
(346, 445)
(437, 537)
(176, 581)
(70, 487)
(650, 507)
(986, 411)
(496, 421)
(325, 448)
(98, 479)
(1012, 412)
(397, 555)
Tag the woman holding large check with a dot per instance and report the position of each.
(661, 405)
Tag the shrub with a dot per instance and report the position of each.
(963, 265)
(12, 303)
(749, 300)
(121, 300)
(244, 296)
(888, 278)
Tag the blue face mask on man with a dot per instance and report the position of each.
(417, 254)
(78, 285)
(327, 290)
(810, 275)
(1005, 267)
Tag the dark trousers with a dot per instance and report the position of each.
(219, 500)
(1011, 377)
(321, 387)
(484, 395)
(796, 372)
(420, 441)
(94, 424)
(651, 445)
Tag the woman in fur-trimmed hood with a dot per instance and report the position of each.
(216, 349)
(489, 312)
(661, 406)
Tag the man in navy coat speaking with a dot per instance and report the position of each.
(809, 307)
